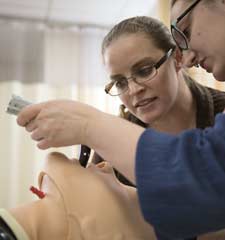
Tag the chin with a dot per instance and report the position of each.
(219, 78)
(219, 74)
(148, 120)
(145, 120)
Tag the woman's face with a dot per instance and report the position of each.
(205, 28)
(150, 100)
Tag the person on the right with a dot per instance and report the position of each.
(198, 27)
(188, 174)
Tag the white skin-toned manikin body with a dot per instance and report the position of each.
(82, 204)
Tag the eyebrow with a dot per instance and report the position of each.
(186, 21)
(143, 61)
(116, 76)
(188, 10)
(181, 20)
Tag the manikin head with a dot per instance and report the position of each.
(204, 28)
(131, 50)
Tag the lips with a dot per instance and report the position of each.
(204, 65)
(144, 102)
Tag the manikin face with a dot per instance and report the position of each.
(150, 100)
(97, 205)
(205, 29)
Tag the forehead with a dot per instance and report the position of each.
(178, 8)
(127, 42)
(130, 48)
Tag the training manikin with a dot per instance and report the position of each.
(79, 204)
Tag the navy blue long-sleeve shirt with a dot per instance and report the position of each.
(181, 180)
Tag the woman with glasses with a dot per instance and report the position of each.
(147, 78)
(145, 73)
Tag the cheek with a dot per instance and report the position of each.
(126, 100)
(167, 96)
(196, 40)
(166, 88)
(199, 32)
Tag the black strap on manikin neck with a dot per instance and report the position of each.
(5, 232)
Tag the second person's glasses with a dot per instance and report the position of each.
(179, 37)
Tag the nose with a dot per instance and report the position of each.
(189, 58)
(134, 88)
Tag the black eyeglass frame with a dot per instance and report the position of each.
(156, 66)
(173, 26)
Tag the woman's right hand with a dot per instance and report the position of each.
(57, 123)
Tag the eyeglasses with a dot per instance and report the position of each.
(179, 37)
(144, 74)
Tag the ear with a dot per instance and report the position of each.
(178, 55)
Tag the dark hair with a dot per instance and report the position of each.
(151, 27)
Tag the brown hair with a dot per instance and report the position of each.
(151, 27)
